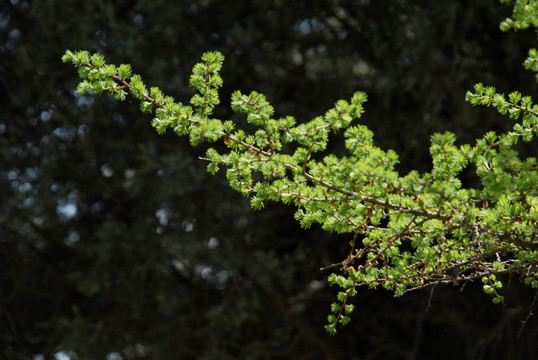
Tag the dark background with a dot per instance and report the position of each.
(116, 244)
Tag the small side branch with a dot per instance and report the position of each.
(529, 315)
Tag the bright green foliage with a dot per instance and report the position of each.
(525, 14)
(407, 232)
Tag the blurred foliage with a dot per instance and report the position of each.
(116, 244)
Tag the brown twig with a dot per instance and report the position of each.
(524, 322)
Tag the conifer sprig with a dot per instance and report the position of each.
(407, 231)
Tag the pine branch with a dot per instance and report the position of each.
(409, 232)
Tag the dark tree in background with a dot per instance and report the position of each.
(116, 244)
